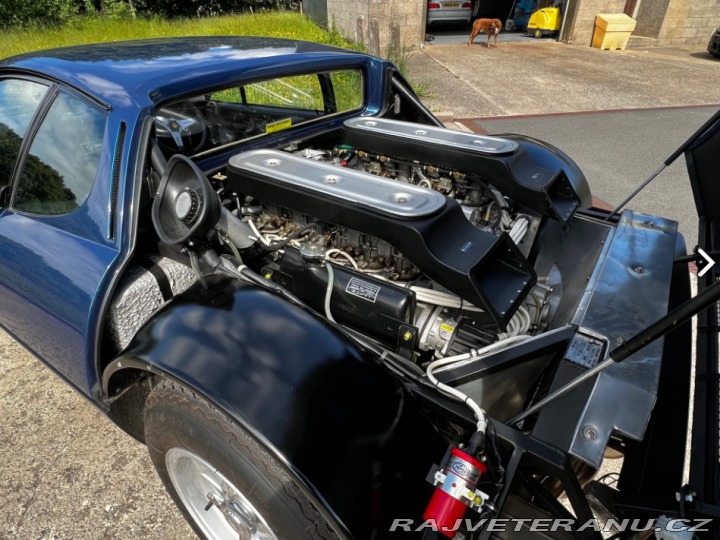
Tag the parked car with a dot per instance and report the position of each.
(328, 316)
(714, 44)
(443, 12)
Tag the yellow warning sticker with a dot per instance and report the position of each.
(279, 125)
(445, 327)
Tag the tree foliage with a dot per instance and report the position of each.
(14, 12)
(193, 8)
(21, 12)
(43, 187)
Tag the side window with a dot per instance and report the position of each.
(60, 169)
(301, 92)
(224, 117)
(348, 88)
(19, 101)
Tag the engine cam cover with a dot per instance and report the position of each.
(504, 163)
(431, 231)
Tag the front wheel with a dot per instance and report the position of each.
(226, 484)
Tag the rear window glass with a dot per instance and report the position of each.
(19, 101)
(225, 117)
(62, 164)
(302, 92)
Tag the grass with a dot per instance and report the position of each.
(93, 29)
(302, 91)
(400, 56)
(89, 29)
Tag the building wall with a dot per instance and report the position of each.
(650, 17)
(383, 25)
(669, 22)
(344, 15)
(400, 22)
(317, 11)
(380, 25)
(584, 27)
(689, 22)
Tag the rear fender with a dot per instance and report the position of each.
(313, 397)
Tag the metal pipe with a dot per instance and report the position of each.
(678, 316)
(607, 362)
(637, 190)
(708, 129)
(562, 24)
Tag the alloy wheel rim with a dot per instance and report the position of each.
(217, 506)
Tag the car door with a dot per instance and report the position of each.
(54, 244)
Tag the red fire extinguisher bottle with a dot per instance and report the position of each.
(456, 491)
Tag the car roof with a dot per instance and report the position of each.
(134, 73)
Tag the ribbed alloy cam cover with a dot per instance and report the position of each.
(430, 230)
(506, 164)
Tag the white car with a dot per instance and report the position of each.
(449, 12)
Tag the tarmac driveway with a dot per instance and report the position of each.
(618, 150)
(548, 77)
(641, 105)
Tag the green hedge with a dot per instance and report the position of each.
(20, 12)
(23, 12)
(191, 8)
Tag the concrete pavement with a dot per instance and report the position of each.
(66, 472)
(548, 77)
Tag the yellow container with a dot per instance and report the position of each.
(612, 31)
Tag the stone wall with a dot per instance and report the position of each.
(584, 27)
(689, 22)
(380, 25)
(344, 16)
(650, 17)
(383, 25)
(669, 22)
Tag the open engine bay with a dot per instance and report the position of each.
(327, 316)
(436, 261)
(477, 260)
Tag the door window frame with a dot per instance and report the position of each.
(54, 88)
(7, 190)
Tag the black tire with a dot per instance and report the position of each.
(176, 417)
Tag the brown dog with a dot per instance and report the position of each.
(491, 27)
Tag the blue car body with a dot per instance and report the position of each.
(83, 252)
(347, 406)
(60, 271)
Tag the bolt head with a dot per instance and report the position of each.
(589, 433)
